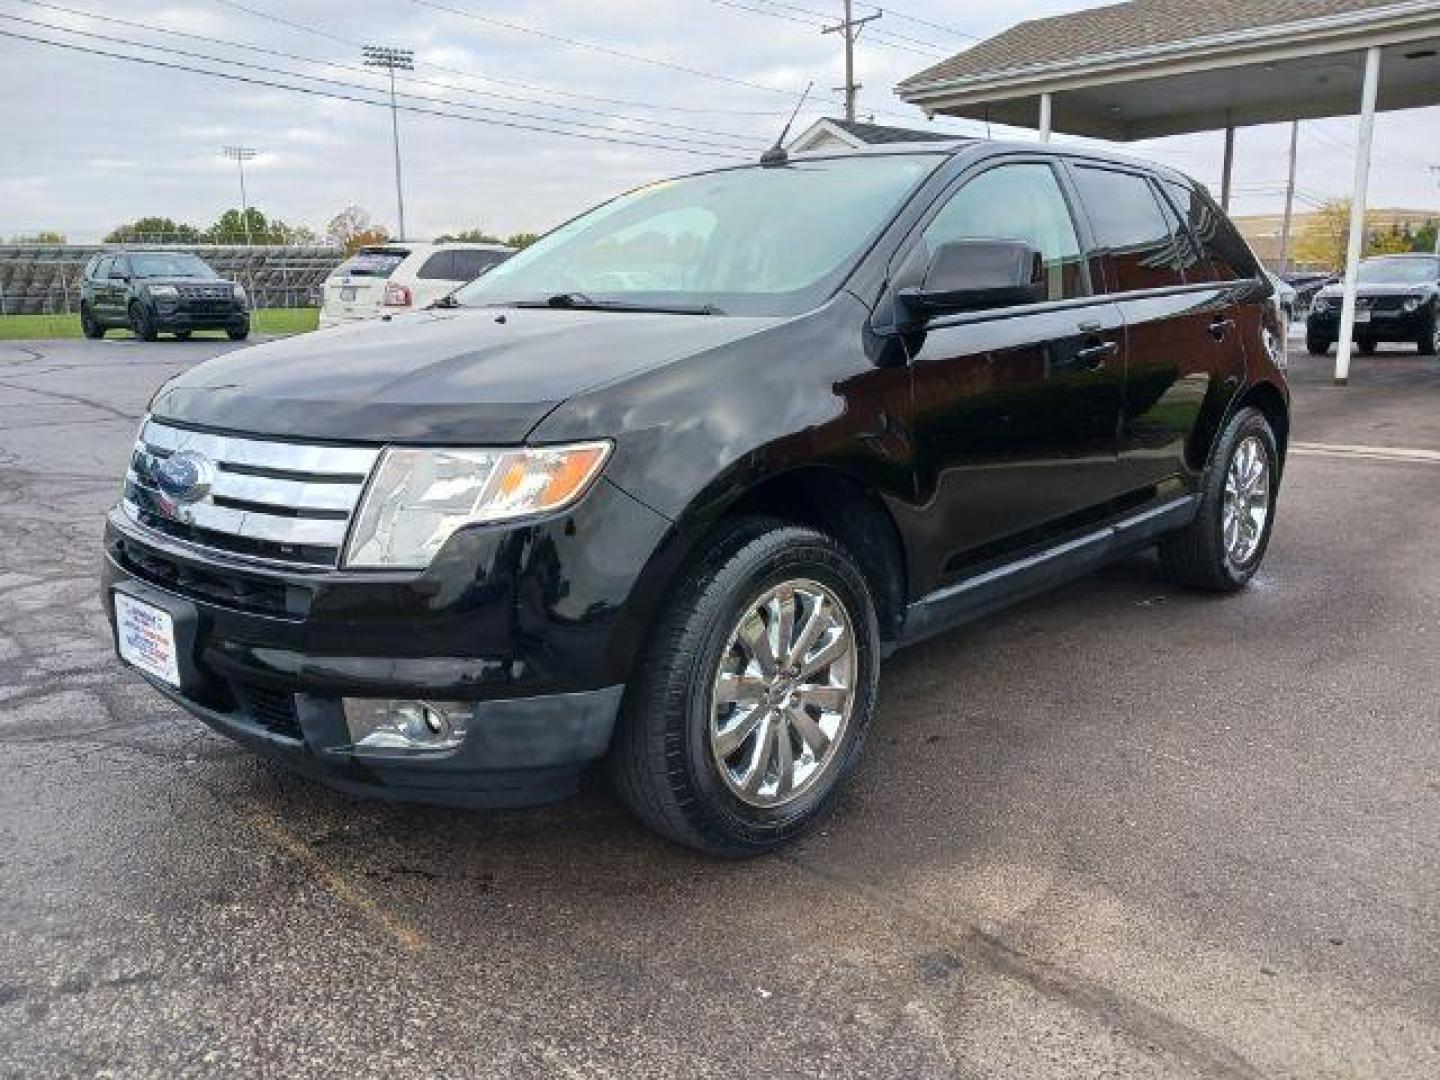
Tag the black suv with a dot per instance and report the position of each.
(664, 488)
(151, 292)
(1397, 298)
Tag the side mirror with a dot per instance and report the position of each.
(975, 275)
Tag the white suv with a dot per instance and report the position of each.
(398, 277)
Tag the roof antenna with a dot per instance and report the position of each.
(776, 155)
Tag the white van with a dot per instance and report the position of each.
(392, 278)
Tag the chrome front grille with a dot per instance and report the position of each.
(277, 501)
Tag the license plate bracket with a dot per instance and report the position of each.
(1362, 315)
(347, 295)
(155, 634)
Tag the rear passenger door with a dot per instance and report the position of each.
(1015, 409)
(1182, 341)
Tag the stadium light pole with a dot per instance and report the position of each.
(383, 56)
(240, 155)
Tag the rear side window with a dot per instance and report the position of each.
(1223, 248)
(471, 264)
(1016, 202)
(373, 264)
(1130, 229)
(440, 266)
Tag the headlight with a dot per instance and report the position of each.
(418, 497)
(1411, 303)
(240, 294)
(164, 292)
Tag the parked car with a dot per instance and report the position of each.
(1397, 299)
(824, 410)
(155, 292)
(1306, 284)
(392, 278)
(1285, 298)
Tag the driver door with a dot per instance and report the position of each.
(1016, 410)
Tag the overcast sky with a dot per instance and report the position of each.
(91, 142)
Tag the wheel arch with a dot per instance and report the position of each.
(1268, 398)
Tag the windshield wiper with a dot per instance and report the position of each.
(579, 301)
(446, 301)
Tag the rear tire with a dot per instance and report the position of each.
(89, 325)
(1316, 345)
(182, 335)
(680, 760)
(141, 323)
(1222, 548)
(1366, 346)
(238, 331)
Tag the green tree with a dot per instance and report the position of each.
(522, 240)
(469, 236)
(1425, 236)
(154, 230)
(44, 236)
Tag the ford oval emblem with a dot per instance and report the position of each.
(185, 477)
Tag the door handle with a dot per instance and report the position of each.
(1219, 327)
(1093, 357)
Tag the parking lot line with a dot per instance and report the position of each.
(1375, 453)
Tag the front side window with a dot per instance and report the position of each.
(1130, 229)
(1016, 202)
(750, 240)
(166, 264)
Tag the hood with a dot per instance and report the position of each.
(486, 375)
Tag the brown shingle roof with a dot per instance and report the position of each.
(877, 134)
(1120, 27)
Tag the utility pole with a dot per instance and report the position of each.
(1289, 200)
(240, 155)
(1435, 172)
(383, 56)
(851, 28)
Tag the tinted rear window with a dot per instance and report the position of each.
(1130, 229)
(471, 264)
(1228, 255)
(373, 264)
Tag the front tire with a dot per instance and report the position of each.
(1427, 342)
(1222, 548)
(752, 702)
(1316, 345)
(238, 331)
(141, 323)
(89, 325)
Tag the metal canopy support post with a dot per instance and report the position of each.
(1357, 213)
(1046, 105)
(1228, 167)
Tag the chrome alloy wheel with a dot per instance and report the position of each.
(783, 694)
(1247, 500)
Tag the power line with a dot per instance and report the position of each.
(882, 38)
(356, 69)
(534, 87)
(334, 95)
(894, 13)
(211, 58)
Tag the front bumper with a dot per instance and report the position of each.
(529, 623)
(1384, 324)
(181, 317)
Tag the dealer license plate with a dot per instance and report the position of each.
(146, 636)
(347, 295)
(1362, 314)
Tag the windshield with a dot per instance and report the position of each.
(748, 241)
(167, 265)
(1399, 272)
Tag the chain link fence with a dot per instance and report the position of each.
(45, 279)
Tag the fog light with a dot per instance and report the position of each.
(382, 724)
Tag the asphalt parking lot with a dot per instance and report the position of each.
(1119, 831)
